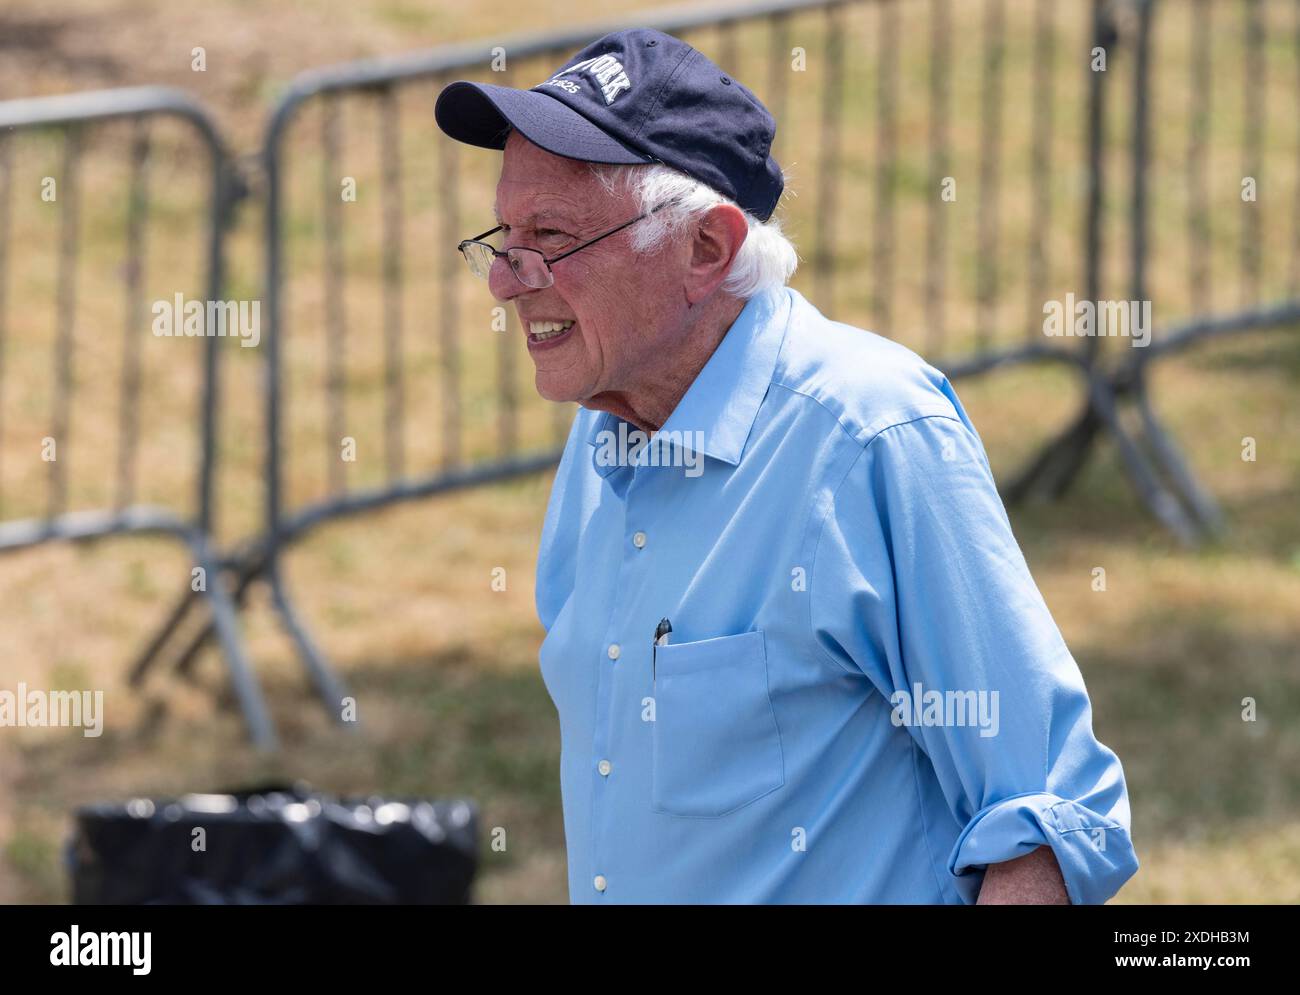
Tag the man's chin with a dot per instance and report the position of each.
(556, 390)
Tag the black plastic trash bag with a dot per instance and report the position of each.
(273, 846)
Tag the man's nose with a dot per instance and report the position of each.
(502, 282)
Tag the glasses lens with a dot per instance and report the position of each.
(478, 256)
(530, 267)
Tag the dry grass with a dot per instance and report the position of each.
(444, 667)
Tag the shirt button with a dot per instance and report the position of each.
(638, 540)
(614, 651)
(599, 882)
(604, 767)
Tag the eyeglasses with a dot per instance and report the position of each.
(531, 267)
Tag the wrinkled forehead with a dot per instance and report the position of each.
(536, 186)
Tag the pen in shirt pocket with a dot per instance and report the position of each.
(660, 639)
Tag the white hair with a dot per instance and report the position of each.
(767, 258)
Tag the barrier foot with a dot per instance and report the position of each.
(331, 689)
(245, 684)
(1198, 501)
(153, 651)
(1152, 462)
(246, 574)
(1158, 498)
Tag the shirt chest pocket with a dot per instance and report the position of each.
(716, 747)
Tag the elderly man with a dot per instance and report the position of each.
(795, 650)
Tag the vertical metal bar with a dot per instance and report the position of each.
(273, 161)
(507, 396)
(1059, 463)
(335, 319)
(133, 317)
(1158, 444)
(886, 156)
(1293, 289)
(1254, 91)
(221, 204)
(61, 418)
(727, 57)
(779, 62)
(986, 272)
(1102, 37)
(1038, 262)
(936, 216)
(1141, 152)
(451, 267)
(823, 268)
(394, 392)
(6, 186)
(1198, 222)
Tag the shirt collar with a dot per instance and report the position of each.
(717, 412)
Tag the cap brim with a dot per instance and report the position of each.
(480, 113)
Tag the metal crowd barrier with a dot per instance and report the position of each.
(71, 117)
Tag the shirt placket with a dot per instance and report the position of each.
(621, 649)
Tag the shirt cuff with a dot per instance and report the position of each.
(1095, 853)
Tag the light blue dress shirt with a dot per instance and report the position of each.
(863, 698)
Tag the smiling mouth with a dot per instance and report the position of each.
(544, 331)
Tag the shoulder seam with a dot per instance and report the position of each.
(922, 416)
(864, 435)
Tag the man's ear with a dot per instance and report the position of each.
(718, 236)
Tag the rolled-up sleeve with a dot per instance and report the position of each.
(918, 582)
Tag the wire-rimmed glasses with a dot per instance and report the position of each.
(530, 266)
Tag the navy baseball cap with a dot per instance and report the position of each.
(633, 97)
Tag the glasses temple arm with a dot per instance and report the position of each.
(612, 231)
